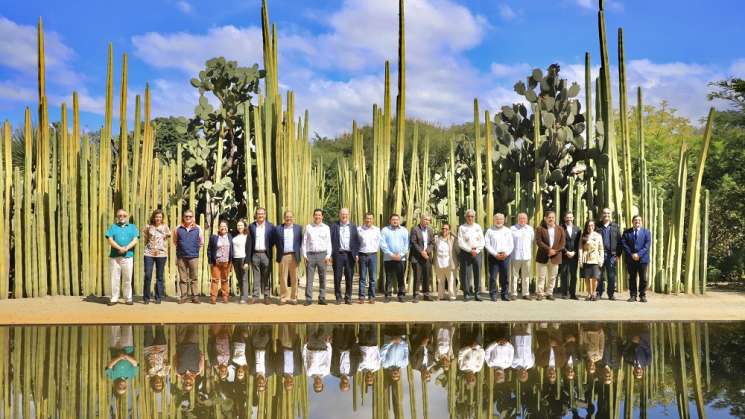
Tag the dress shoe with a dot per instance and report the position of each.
(401, 299)
(643, 300)
(387, 299)
(574, 297)
(371, 301)
(267, 300)
(307, 303)
(213, 301)
(347, 302)
(195, 301)
(157, 301)
(293, 302)
(493, 298)
(415, 299)
(181, 300)
(612, 298)
(550, 297)
(224, 300)
(111, 303)
(130, 303)
(506, 298)
(321, 302)
(539, 297)
(477, 298)
(361, 300)
(631, 299)
(337, 302)
(427, 298)
(252, 300)
(146, 302)
(527, 297)
(564, 297)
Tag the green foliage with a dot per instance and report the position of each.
(731, 90)
(169, 132)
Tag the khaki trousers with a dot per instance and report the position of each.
(546, 280)
(288, 268)
(188, 275)
(443, 276)
(520, 273)
(121, 273)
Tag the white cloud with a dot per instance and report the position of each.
(510, 71)
(506, 12)
(12, 92)
(737, 69)
(184, 6)
(593, 5)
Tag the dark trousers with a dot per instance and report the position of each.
(368, 273)
(470, 273)
(609, 268)
(241, 275)
(160, 265)
(157, 338)
(501, 267)
(637, 269)
(394, 270)
(422, 275)
(262, 271)
(343, 264)
(569, 276)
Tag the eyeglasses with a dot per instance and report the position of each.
(188, 216)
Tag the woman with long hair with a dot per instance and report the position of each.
(156, 235)
(591, 258)
(219, 254)
(240, 263)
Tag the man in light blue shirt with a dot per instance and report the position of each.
(394, 354)
(394, 242)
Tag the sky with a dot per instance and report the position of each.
(332, 52)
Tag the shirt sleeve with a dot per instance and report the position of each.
(462, 240)
(109, 232)
(384, 243)
(488, 242)
(328, 242)
(479, 239)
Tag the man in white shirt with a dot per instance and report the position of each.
(317, 254)
(471, 243)
(471, 355)
(317, 355)
(368, 258)
(521, 259)
(499, 244)
(522, 341)
(259, 252)
(499, 352)
(369, 352)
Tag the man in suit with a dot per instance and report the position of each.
(636, 243)
(421, 354)
(288, 239)
(288, 359)
(422, 240)
(611, 234)
(345, 248)
(260, 356)
(344, 359)
(549, 238)
(569, 258)
(259, 252)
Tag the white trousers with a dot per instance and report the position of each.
(520, 272)
(121, 273)
(546, 278)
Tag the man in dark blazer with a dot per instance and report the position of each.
(611, 234)
(636, 243)
(288, 239)
(288, 358)
(345, 247)
(422, 250)
(344, 354)
(569, 258)
(259, 252)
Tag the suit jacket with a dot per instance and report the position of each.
(261, 340)
(543, 352)
(614, 247)
(354, 239)
(416, 242)
(212, 248)
(421, 338)
(269, 236)
(297, 241)
(278, 358)
(571, 241)
(344, 339)
(542, 240)
(640, 245)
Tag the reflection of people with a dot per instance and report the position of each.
(155, 351)
(368, 352)
(189, 360)
(421, 357)
(122, 236)
(343, 361)
(592, 340)
(550, 353)
(637, 349)
(395, 351)
(444, 342)
(471, 354)
(238, 349)
(499, 353)
(524, 360)
(260, 354)
(317, 354)
(289, 359)
(219, 351)
(122, 365)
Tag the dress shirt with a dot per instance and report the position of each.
(395, 354)
(444, 340)
(551, 234)
(470, 236)
(425, 238)
(370, 358)
(471, 358)
(239, 246)
(261, 362)
(443, 253)
(317, 362)
(289, 362)
(288, 238)
(394, 240)
(523, 236)
(551, 358)
(524, 357)
(344, 364)
(570, 229)
(260, 239)
(499, 240)
(500, 355)
(317, 238)
(344, 237)
(369, 238)
(239, 353)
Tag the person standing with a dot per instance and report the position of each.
(636, 243)
(471, 243)
(188, 238)
(123, 367)
(289, 242)
(317, 254)
(611, 234)
(240, 262)
(368, 258)
(499, 246)
(446, 264)
(317, 354)
(550, 242)
(422, 251)
(394, 242)
(219, 255)
(259, 252)
(345, 247)
(156, 236)
(522, 257)
(591, 258)
(569, 258)
(122, 236)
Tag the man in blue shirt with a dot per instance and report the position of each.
(394, 242)
(122, 237)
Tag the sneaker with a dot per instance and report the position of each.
(242, 302)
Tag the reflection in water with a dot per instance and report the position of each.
(467, 370)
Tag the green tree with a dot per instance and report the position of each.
(169, 132)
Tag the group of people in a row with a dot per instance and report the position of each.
(561, 249)
(236, 352)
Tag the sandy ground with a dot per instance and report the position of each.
(714, 306)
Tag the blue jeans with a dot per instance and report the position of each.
(368, 267)
(160, 265)
(609, 269)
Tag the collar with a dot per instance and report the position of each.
(122, 224)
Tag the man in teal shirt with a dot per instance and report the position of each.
(122, 237)
(122, 367)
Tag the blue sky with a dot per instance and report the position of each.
(332, 51)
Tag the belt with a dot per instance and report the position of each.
(368, 254)
(259, 251)
(317, 253)
(288, 253)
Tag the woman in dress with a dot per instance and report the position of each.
(156, 235)
(591, 258)
(219, 254)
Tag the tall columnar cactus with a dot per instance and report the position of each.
(624, 126)
(400, 111)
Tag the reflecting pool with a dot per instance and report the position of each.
(440, 370)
